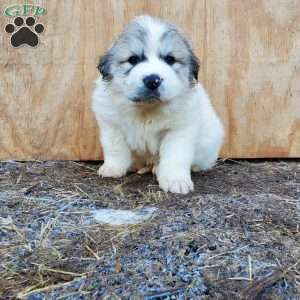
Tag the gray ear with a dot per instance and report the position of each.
(194, 65)
(104, 67)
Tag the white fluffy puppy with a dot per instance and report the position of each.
(151, 109)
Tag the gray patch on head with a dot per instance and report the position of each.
(130, 42)
(176, 43)
(132, 33)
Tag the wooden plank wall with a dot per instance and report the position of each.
(250, 64)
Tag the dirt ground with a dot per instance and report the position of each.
(236, 237)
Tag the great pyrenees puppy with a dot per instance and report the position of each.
(151, 109)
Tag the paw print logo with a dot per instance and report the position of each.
(24, 32)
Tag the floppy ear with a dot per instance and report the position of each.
(104, 67)
(194, 65)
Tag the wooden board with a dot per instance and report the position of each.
(252, 71)
(249, 52)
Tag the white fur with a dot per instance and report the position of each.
(180, 131)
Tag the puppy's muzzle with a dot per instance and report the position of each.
(152, 82)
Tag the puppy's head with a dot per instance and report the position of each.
(150, 61)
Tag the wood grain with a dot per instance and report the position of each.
(253, 74)
(249, 52)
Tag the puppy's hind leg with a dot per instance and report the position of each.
(205, 163)
(206, 155)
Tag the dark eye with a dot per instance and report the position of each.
(134, 60)
(170, 60)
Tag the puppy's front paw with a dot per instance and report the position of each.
(111, 171)
(178, 185)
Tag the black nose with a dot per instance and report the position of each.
(152, 82)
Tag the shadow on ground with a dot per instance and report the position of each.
(236, 237)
